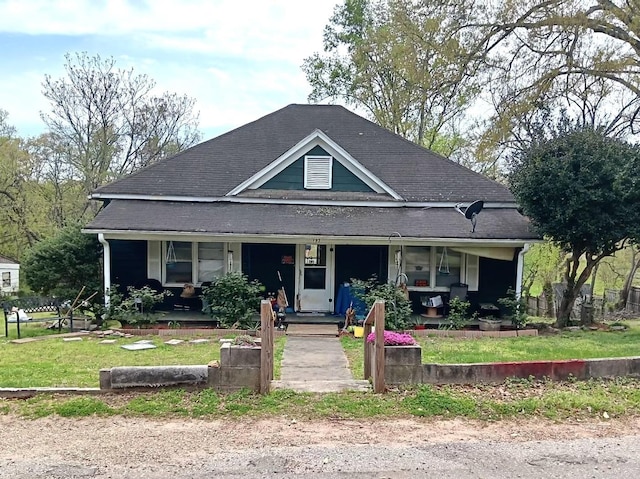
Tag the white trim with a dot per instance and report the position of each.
(300, 202)
(520, 269)
(279, 238)
(106, 267)
(316, 138)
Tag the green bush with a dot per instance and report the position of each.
(458, 313)
(137, 308)
(397, 306)
(234, 300)
(516, 308)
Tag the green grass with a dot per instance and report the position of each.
(54, 363)
(517, 398)
(566, 345)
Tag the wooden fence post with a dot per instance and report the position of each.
(266, 342)
(378, 374)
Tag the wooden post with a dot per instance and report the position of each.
(378, 374)
(368, 373)
(266, 353)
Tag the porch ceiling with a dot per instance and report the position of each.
(296, 220)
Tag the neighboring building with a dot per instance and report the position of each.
(315, 195)
(9, 275)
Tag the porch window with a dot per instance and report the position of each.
(418, 265)
(6, 279)
(187, 262)
(448, 267)
(179, 262)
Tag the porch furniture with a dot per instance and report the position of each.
(20, 311)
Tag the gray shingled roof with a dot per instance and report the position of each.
(214, 167)
(5, 260)
(273, 219)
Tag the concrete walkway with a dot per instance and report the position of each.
(316, 364)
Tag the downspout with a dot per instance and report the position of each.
(106, 267)
(520, 269)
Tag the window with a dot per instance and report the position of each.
(315, 255)
(317, 172)
(432, 267)
(448, 270)
(6, 279)
(187, 262)
(417, 265)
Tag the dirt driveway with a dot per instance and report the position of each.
(119, 447)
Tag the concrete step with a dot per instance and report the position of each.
(327, 330)
(332, 386)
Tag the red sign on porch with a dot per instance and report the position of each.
(287, 260)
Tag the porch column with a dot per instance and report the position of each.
(520, 269)
(106, 266)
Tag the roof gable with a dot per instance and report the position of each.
(215, 168)
(317, 143)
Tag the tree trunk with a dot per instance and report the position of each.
(547, 289)
(628, 282)
(566, 306)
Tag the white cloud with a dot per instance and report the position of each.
(238, 59)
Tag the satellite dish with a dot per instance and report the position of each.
(471, 212)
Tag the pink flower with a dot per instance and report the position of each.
(392, 338)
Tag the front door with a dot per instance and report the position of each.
(315, 277)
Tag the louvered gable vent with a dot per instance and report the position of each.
(317, 172)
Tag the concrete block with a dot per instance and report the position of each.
(402, 374)
(609, 368)
(152, 376)
(403, 355)
(213, 377)
(225, 354)
(634, 366)
(239, 378)
(455, 373)
(244, 357)
(430, 373)
(105, 379)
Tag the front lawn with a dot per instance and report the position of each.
(53, 362)
(565, 345)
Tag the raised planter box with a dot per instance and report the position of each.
(403, 364)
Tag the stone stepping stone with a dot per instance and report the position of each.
(174, 342)
(66, 340)
(107, 341)
(199, 341)
(138, 346)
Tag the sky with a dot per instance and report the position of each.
(240, 59)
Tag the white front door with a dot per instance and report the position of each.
(315, 277)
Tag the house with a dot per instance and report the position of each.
(9, 275)
(309, 197)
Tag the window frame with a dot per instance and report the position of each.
(195, 263)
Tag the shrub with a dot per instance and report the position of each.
(397, 306)
(458, 313)
(234, 300)
(516, 308)
(136, 308)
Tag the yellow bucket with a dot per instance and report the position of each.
(358, 331)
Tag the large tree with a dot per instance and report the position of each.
(578, 55)
(405, 62)
(110, 122)
(582, 190)
(62, 264)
